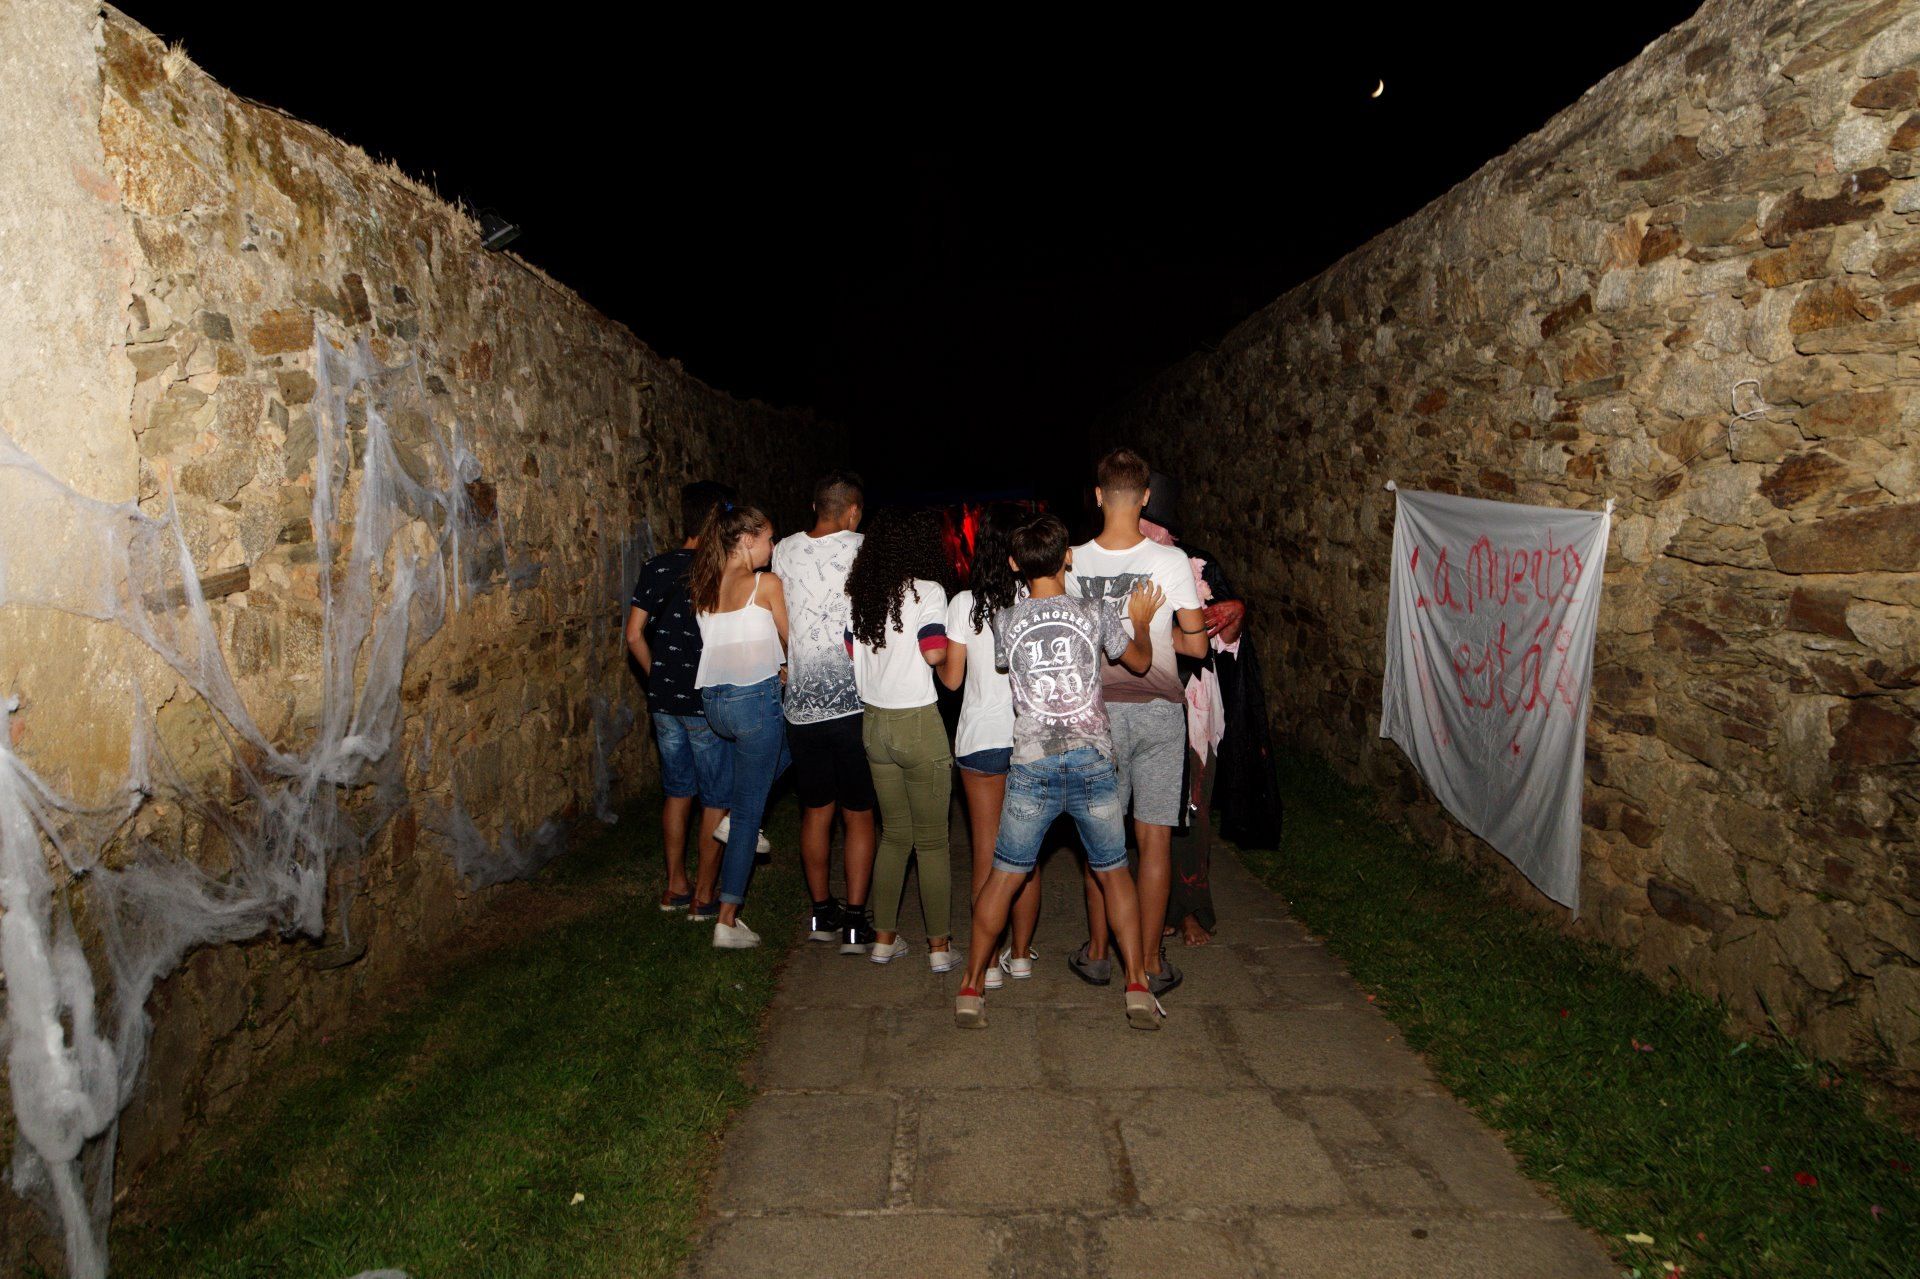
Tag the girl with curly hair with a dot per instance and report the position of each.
(897, 635)
(742, 615)
(983, 743)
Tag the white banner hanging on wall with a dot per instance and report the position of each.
(1490, 629)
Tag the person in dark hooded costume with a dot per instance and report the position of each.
(1229, 756)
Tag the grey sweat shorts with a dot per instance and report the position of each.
(1150, 756)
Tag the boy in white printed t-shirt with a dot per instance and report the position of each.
(823, 710)
(1052, 645)
(1148, 711)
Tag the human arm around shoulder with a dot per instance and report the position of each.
(637, 638)
(1190, 632)
(1183, 597)
(953, 668)
(1145, 600)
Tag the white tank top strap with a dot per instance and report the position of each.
(740, 646)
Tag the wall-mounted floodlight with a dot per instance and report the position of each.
(496, 232)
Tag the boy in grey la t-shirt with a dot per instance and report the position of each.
(1053, 651)
(1052, 646)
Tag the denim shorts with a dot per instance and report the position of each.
(693, 760)
(992, 762)
(1081, 784)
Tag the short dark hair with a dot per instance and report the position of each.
(1040, 546)
(835, 491)
(1123, 471)
(697, 501)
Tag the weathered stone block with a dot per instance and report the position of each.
(281, 331)
(1721, 222)
(1854, 413)
(1879, 539)
(1798, 212)
(1894, 92)
(1801, 478)
(1239, 1171)
(1897, 1015)
(1872, 731)
(1672, 903)
(1828, 306)
(1820, 612)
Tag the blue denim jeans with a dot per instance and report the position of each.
(693, 760)
(748, 719)
(1081, 783)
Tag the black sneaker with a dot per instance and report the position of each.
(856, 930)
(825, 921)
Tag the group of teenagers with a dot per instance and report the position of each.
(1088, 687)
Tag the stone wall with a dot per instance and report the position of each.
(188, 257)
(1574, 323)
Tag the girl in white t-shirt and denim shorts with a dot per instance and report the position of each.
(983, 742)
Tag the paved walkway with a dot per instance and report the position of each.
(1276, 1126)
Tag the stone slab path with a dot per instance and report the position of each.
(1276, 1126)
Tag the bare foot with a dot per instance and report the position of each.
(1193, 933)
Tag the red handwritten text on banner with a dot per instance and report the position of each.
(1489, 659)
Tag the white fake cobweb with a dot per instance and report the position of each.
(396, 552)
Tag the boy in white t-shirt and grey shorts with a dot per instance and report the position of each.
(1148, 712)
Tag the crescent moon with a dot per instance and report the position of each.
(1378, 89)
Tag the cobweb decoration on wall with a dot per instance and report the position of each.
(397, 553)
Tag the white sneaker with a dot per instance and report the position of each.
(943, 961)
(734, 936)
(1018, 969)
(994, 979)
(760, 844)
(885, 952)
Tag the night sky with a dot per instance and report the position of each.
(962, 234)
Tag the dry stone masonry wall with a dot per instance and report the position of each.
(319, 525)
(1695, 291)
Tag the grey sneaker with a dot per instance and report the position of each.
(1095, 972)
(1166, 979)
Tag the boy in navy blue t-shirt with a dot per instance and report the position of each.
(663, 638)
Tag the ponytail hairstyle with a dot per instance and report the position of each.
(899, 547)
(726, 524)
(992, 579)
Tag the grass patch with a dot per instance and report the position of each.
(1694, 1138)
(600, 1059)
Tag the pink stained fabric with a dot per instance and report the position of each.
(1206, 712)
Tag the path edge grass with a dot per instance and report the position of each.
(174, 1231)
(1540, 1033)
